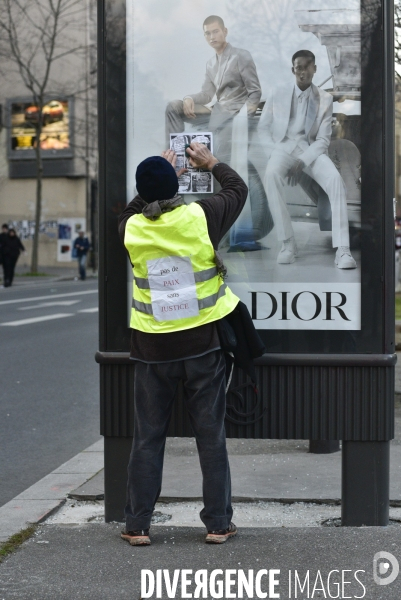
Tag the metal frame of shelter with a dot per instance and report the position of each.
(340, 388)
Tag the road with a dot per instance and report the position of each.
(49, 381)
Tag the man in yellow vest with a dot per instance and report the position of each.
(178, 296)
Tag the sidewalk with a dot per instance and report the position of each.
(262, 470)
(51, 274)
(73, 554)
(265, 473)
(286, 505)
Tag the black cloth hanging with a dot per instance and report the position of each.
(238, 337)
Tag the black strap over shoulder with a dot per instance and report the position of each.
(238, 336)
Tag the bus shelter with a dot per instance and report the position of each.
(328, 371)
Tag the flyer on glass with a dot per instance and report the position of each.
(296, 142)
(193, 180)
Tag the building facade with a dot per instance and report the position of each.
(68, 140)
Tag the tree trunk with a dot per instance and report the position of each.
(38, 208)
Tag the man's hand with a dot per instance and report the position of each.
(171, 157)
(294, 174)
(201, 157)
(189, 108)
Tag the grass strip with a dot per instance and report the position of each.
(30, 274)
(15, 541)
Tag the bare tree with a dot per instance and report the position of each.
(397, 56)
(397, 38)
(34, 35)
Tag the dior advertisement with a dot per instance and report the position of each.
(276, 84)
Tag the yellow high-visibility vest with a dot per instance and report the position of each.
(176, 285)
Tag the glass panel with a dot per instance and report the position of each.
(280, 87)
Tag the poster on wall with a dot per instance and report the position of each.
(68, 231)
(278, 85)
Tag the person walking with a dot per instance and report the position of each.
(3, 236)
(81, 247)
(11, 248)
(179, 294)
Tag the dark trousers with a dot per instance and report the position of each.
(8, 270)
(82, 266)
(154, 389)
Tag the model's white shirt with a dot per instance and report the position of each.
(295, 135)
(222, 65)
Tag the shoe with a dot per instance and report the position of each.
(221, 535)
(137, 538)
(288, 252)
(247, 247)
(343, 259)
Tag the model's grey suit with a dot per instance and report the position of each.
(312, 150)
(232, 77)
(234, 81)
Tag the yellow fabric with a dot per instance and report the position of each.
(180, 232)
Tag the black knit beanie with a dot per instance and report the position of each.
(156, 179)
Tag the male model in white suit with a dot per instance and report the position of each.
(295, 131)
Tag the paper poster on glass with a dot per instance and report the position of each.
(194, 180)
(278, 85)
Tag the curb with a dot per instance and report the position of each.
(48, 279)
(74, 278)
(38, 502)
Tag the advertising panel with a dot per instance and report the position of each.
(278, 85)
(55, 136)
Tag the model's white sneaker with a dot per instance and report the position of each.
(288, 252)
(343, 259)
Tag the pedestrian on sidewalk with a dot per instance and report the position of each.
(3, 236)
(11, 248)
(178, 296)
(81, 248)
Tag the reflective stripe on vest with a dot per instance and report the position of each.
(204, 303)
(177, 250)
